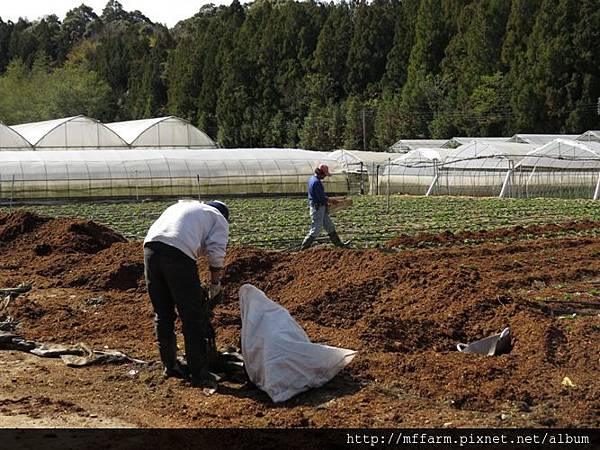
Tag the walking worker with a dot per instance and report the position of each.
(185, 231)
(319, 214)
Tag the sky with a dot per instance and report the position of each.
(168, 12)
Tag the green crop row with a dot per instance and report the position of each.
(281, 222)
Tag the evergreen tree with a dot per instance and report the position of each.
(398, 57)
(371, 42)
(148, 93)
(47, 34)
(23, 43)
(353, 135)
(289, 73)
(74, 28)
(331, 53)
(553, 66)
(223, 30)
(584, 113)
(473, 53)
(323, 128)
(435, 24)
(388, 120)
(5, 33)
(240, 112)
(523, 102)
(185, 65)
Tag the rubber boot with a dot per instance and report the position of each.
(179, 370)
(205, 378)
(335, 239)
(307, 242)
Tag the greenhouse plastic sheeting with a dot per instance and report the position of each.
(162, 132)
(480, 168)
(479, 155)
(456, 142)
(10, 139)
(158, 172)
(590, 136)
(564, 154)
(363, 167)
(413, 172)
(70, 132)
(406, 145)
(539, 139)
(561, 168)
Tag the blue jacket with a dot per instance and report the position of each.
(316, 192)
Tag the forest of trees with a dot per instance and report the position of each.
(316, 75)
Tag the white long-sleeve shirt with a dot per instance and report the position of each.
(193, 227)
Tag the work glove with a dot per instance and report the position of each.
(214, 290)
(215, 295)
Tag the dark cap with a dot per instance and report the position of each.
(222, 207)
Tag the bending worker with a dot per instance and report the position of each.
(319, 214)
(185, 231)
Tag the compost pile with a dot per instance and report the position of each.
(404, 310)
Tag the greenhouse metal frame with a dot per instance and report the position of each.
(561, 168)
(480, 168)
(413, 173)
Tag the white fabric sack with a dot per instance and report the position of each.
(278, 356)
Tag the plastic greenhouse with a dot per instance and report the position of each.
(71, 132)
(539, 139)
(347, 160)
(561, 168)
(80, 157)
(412, 173)
(10, 139)
(363, 167)
(590, 136)
(110, 173)
(161, 132)
(456, 142)
(406, 145)
(481, 169)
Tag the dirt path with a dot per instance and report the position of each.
(30, 402)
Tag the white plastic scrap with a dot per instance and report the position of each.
(278, 355)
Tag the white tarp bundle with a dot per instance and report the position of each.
(278, 356)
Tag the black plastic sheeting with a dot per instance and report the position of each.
(77, 355)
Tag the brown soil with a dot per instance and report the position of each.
(512, 233)
(404, 311)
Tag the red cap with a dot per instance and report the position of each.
(324, 170)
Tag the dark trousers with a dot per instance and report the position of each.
(173, 284)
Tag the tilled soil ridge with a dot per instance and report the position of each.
(404, 311)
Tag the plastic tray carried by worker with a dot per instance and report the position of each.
(336, 204)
